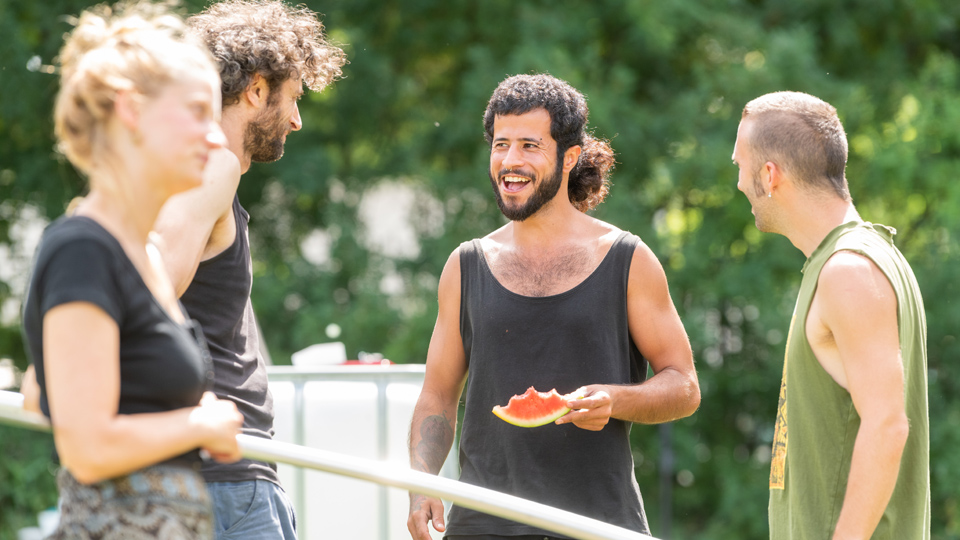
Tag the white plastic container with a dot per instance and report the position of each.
(363, 411)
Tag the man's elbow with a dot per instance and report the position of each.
(693, 396)
(688, 397)
(899, 430)
(890, 430)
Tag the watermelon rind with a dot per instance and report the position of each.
(552, 403)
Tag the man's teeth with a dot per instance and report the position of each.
(515, 179)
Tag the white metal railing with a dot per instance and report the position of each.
(466, 495)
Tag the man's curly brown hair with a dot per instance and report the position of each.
(269, 38)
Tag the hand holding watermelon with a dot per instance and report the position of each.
(532, 408)
(591, 407)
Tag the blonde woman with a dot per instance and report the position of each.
(122, 371)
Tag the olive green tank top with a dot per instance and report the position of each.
(817, 423)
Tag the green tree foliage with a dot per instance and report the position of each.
(26, 479)
(665, 82)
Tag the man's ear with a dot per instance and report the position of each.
(774, 176)
(570, 158)
(257, 92)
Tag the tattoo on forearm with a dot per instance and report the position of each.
(436, 436)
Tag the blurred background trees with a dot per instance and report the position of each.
(351, 228)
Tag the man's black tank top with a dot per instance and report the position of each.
(219, 299)
(565, 341)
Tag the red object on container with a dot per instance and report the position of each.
(383, 362)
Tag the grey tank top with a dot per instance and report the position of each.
(219, 299)
(564, 341)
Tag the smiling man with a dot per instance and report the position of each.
(267, 52)
(553, 299)
(851, 452)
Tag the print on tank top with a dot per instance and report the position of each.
(779, 450)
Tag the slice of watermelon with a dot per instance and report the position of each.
(533, 408)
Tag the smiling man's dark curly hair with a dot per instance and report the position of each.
(589, 180)
(269, 38)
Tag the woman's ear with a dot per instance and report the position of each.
(127, 108)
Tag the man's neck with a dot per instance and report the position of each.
(555, 223)
(814, 218)
(234, 123)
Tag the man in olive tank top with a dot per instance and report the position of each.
(553, 299)
(851, 444)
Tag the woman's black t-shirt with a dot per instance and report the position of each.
(163, 365)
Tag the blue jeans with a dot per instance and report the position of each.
(252, 510)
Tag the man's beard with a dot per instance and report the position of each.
(544, 193)
(263, 138)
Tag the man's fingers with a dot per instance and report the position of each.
(423, 532)
(579, 393)
(583, 403)
(429, 510)
(417, 525)
(225, 457)
(575, 417)
(593, 402)
(588, 417)
(591, 426)
(436, 509)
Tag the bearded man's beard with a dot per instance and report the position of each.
(263, 139)
(544, 193)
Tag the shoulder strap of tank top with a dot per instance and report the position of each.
(469, 265)
(469, 251)
(239, 212)
(621, 255)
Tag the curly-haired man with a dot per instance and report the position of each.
(267, 52)
(553, 299)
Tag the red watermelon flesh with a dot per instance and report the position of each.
(533, 408)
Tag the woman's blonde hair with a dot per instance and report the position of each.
(136, 47)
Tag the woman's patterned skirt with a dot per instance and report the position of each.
(161, 501)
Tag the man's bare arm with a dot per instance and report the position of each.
(435, 416)
(673, 391)
(858, 306)
(434, 436)
(186, 222)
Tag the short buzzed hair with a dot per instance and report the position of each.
(803, 135)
